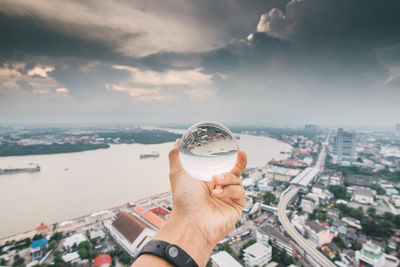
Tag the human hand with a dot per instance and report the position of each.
(203, 212)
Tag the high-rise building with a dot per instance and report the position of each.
(398, 127)
(345, 146)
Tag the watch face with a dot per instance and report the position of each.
(173, 252)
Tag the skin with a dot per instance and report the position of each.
(203, 213)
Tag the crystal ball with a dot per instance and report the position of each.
(206, 149)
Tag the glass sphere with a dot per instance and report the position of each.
(206, 149)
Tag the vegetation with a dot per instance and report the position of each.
(269, 198)
(339, 192)
(18, 261)
(372, 224)
(8, 149)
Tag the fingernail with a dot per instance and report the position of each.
(220, 177)
(217, 191)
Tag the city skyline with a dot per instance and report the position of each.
(279, 63)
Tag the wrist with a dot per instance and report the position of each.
(186, 235)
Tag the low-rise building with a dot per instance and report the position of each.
(268, 232)
(258, 254)
(103, 260)
(331, 250)
(224, 259)
(359, 180)
(318, 234)
(130, 231)
(71, 257)
(348, 256)
(281, 174)
(265, 185)
(39, 249)
(351, 222)
(370, 255)
(71, 243)
(97, 234)
(309, 203)
(363, 195)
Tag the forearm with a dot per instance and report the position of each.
(181, 232)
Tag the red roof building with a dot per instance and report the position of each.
(103, 260)
(149, 216)
(42, 228)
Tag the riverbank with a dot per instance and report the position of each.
(88, 219)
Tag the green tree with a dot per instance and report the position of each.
(18, 261)
(84, 244)
(269, 198)
(371, 211)
(52, 244)
(124, 258)
(83, 253)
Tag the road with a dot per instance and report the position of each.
(287, 225)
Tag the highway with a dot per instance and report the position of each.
(287, 225)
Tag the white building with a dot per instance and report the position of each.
(224, 259)
(370, 255)
(70, 243)
(258, 254)
(309, 203)
(130, 232)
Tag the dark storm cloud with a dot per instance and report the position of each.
(338, 57)
(23, 36)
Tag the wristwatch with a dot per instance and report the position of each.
(169, 252)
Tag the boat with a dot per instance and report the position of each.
(35, 168)
(153, 154)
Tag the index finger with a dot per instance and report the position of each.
(240, 164)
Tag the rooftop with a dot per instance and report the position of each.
(317, 227)
(273, 232)
(257, 250)
(39, 243)
(102, 259)
(128, 225)
(74, 239)
(149, 216)
(224, 259)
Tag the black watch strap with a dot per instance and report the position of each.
(169, 252)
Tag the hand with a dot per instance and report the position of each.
(209, 209)
(203, 212)
(213, 207)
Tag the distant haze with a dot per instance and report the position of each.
(283, 63)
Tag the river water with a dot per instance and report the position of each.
(74, 184)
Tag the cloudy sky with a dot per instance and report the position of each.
(271, 62)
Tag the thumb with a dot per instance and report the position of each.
(175, 166)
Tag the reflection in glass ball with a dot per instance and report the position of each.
(207, 149)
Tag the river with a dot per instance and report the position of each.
(74, 184)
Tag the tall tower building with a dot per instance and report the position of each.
(345, 146)
(398, 127)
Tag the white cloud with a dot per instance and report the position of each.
(170, 77)
(62, 90)
(40, 71)
(35, 80)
